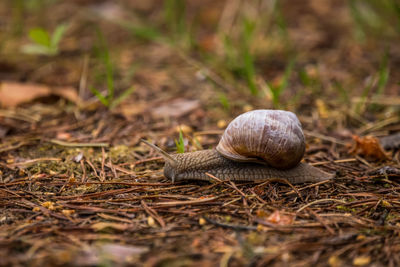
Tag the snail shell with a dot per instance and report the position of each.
(274, 137)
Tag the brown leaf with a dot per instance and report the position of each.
(277, 217)
(362, 260)
(130, 110)
(108, 225)
(175, 108)
(13, 93)
(369, 147)
(280, 219)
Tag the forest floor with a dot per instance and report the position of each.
(82, 81)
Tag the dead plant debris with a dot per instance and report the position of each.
(77, 188)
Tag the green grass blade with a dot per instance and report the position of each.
(105, 57)
(342, 91)
(40, 36)
(286, 76)
(102, 99)
(57, 35)
(180, 144)
(223, 100)
(146, 33)
(121, 97)
(249, 70)
(360, 107)
(383, 74)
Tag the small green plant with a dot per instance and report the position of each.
(180, 144)
(175, 17)
(146, 33)
(238, 55)
(276, 90)
(342, 91)
(223, 100)
(18, 9)
(310, 78)
(281, 25)
(383, 74)
(378, 81)
(180, 31)
(248, 60)
(109, 100)
(361, 105)
(375, 18)
(43, 42)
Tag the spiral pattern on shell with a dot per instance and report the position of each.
(272, 136)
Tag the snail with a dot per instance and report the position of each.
(256, 145)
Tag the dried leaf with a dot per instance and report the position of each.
(130, 110)
(369, 147)
(13, 93)
(68, 212)
(104, 225)
(222, 124)
(361, 237)
(277, 217)
(175, 108)
(281, 219)
(63, 136)
(49, 205)
(322, 109)
(185, 129)
(202, 221)
(334, 261)
(151, 222)
(362, 260)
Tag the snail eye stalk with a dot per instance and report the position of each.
(163, 154)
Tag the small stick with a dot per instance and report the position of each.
(151, 212)
(118, 168)
(322, 221)
(111, 166)
(31, 161)
(335, 161)
(72, 144)
(94, 169)
(308, 186)
(83, 179)
(103, 160)
(319, 201)
(184, 203)
(285, 182)
(325, 138)
(231, 226)
(146, 160)
(215, 178)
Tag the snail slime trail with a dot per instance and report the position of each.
(256, 145)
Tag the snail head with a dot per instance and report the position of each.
(170, 163)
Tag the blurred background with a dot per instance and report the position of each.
(203, 60)
(82, 81)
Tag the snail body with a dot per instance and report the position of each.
(257, 145)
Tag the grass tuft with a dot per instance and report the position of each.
(43, 43)
(109, 100)
(180, 143)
